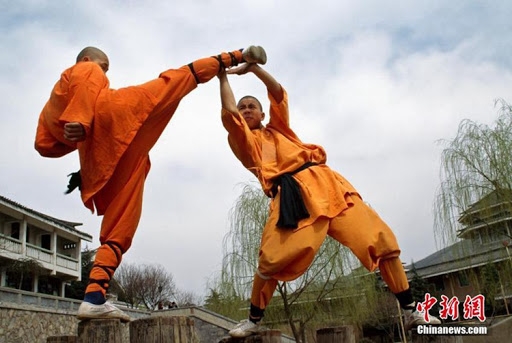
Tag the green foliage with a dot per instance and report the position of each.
(241, 244)
(474, 200)
(334, 290)
(24, 268)
(490, 284)
(225, 304)
(475, 163)
(213, 300)
(419, 287)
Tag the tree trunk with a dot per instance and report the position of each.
(268, 336)
(163, 330)
(340, 334)
(62, 339)
(100, 331)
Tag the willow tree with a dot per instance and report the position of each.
(477, 162)
(331, 291)
(476, 187)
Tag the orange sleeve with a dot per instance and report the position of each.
(242, 141)
(280, 117)
(73, 99)
(50, 140)
(85, 83)
(46, 144)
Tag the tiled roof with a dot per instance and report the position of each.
(461, 255)
(67, 225)
(493, 198)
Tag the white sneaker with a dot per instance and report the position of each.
(104, 311)
(244, 329)
(254, 54)
(415, 318)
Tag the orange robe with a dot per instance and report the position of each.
(275, 149)
(121, 128)
(111, 119)
(335, 207)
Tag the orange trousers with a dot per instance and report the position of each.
(285, 254)
(120, 200)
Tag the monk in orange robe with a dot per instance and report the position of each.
(113, 131)
(309, 202)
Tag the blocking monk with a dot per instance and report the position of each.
(113, 131)
(309, 202)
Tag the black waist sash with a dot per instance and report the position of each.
(291, 204)
(74, 182)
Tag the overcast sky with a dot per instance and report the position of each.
(377, 84)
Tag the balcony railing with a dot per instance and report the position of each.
(67, 262)
(10, 244)
(37, 253)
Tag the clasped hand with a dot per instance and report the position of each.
(74, 132)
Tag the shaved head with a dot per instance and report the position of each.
(251, 97)
(91, 52)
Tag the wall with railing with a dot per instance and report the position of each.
(32, 317)
(10, 244)
(47, 258)
(39, 254)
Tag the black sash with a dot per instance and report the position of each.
(292, 208)
(75, 181)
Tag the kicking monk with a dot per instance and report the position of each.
(113, 131)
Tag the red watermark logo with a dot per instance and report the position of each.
(473, 307)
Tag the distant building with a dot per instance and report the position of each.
(485, 241)
(51, 246)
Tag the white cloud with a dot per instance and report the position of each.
(376, 84)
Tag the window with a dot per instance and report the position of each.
(492, 234)
(15, 230)
(46, 242)
(438, 284)
(497, 234)
(48, 285)
(15, 280)
(463, 278)
(69, 246)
